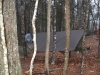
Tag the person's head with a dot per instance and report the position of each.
(28, 38)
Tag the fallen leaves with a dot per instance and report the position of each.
(91, 65)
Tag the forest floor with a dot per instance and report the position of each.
(91, 62)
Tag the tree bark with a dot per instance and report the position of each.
(99, 28)
(3, 48)
(67, 17)
(48, 39)
(85, 18)
(9, 12)
(23, 28)
(34, 38)
(54, 35)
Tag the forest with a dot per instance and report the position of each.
(49, 37)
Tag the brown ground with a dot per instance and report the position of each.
(91, 65)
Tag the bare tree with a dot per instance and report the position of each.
(10, 24)
(67, 19)
(54, 35)
(23, 28)
(85, 10)
(3, 48)
(34, 39)
(48, 39)
(72, 14)
(99, 28)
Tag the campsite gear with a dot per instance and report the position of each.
(75, 37)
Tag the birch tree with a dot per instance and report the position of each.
(34, 38)
(48, 39)
(85, 18)
(54, 35)
(67, 27)
(3, 48)
(10, 24)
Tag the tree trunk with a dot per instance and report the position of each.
(23, 29)
(48, 39)
(20, 6)
(27, 19)
(85, 18)
(18, 11)
(34, 38)
(3, 48)
(67, 13)
(99, 29)
(87, 15)
(79, 14)
(54, 35)
(72, 14)
(9, 12)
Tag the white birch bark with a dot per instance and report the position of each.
(3, 41)
(84, 36)
(54, 36)
(34, 37)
